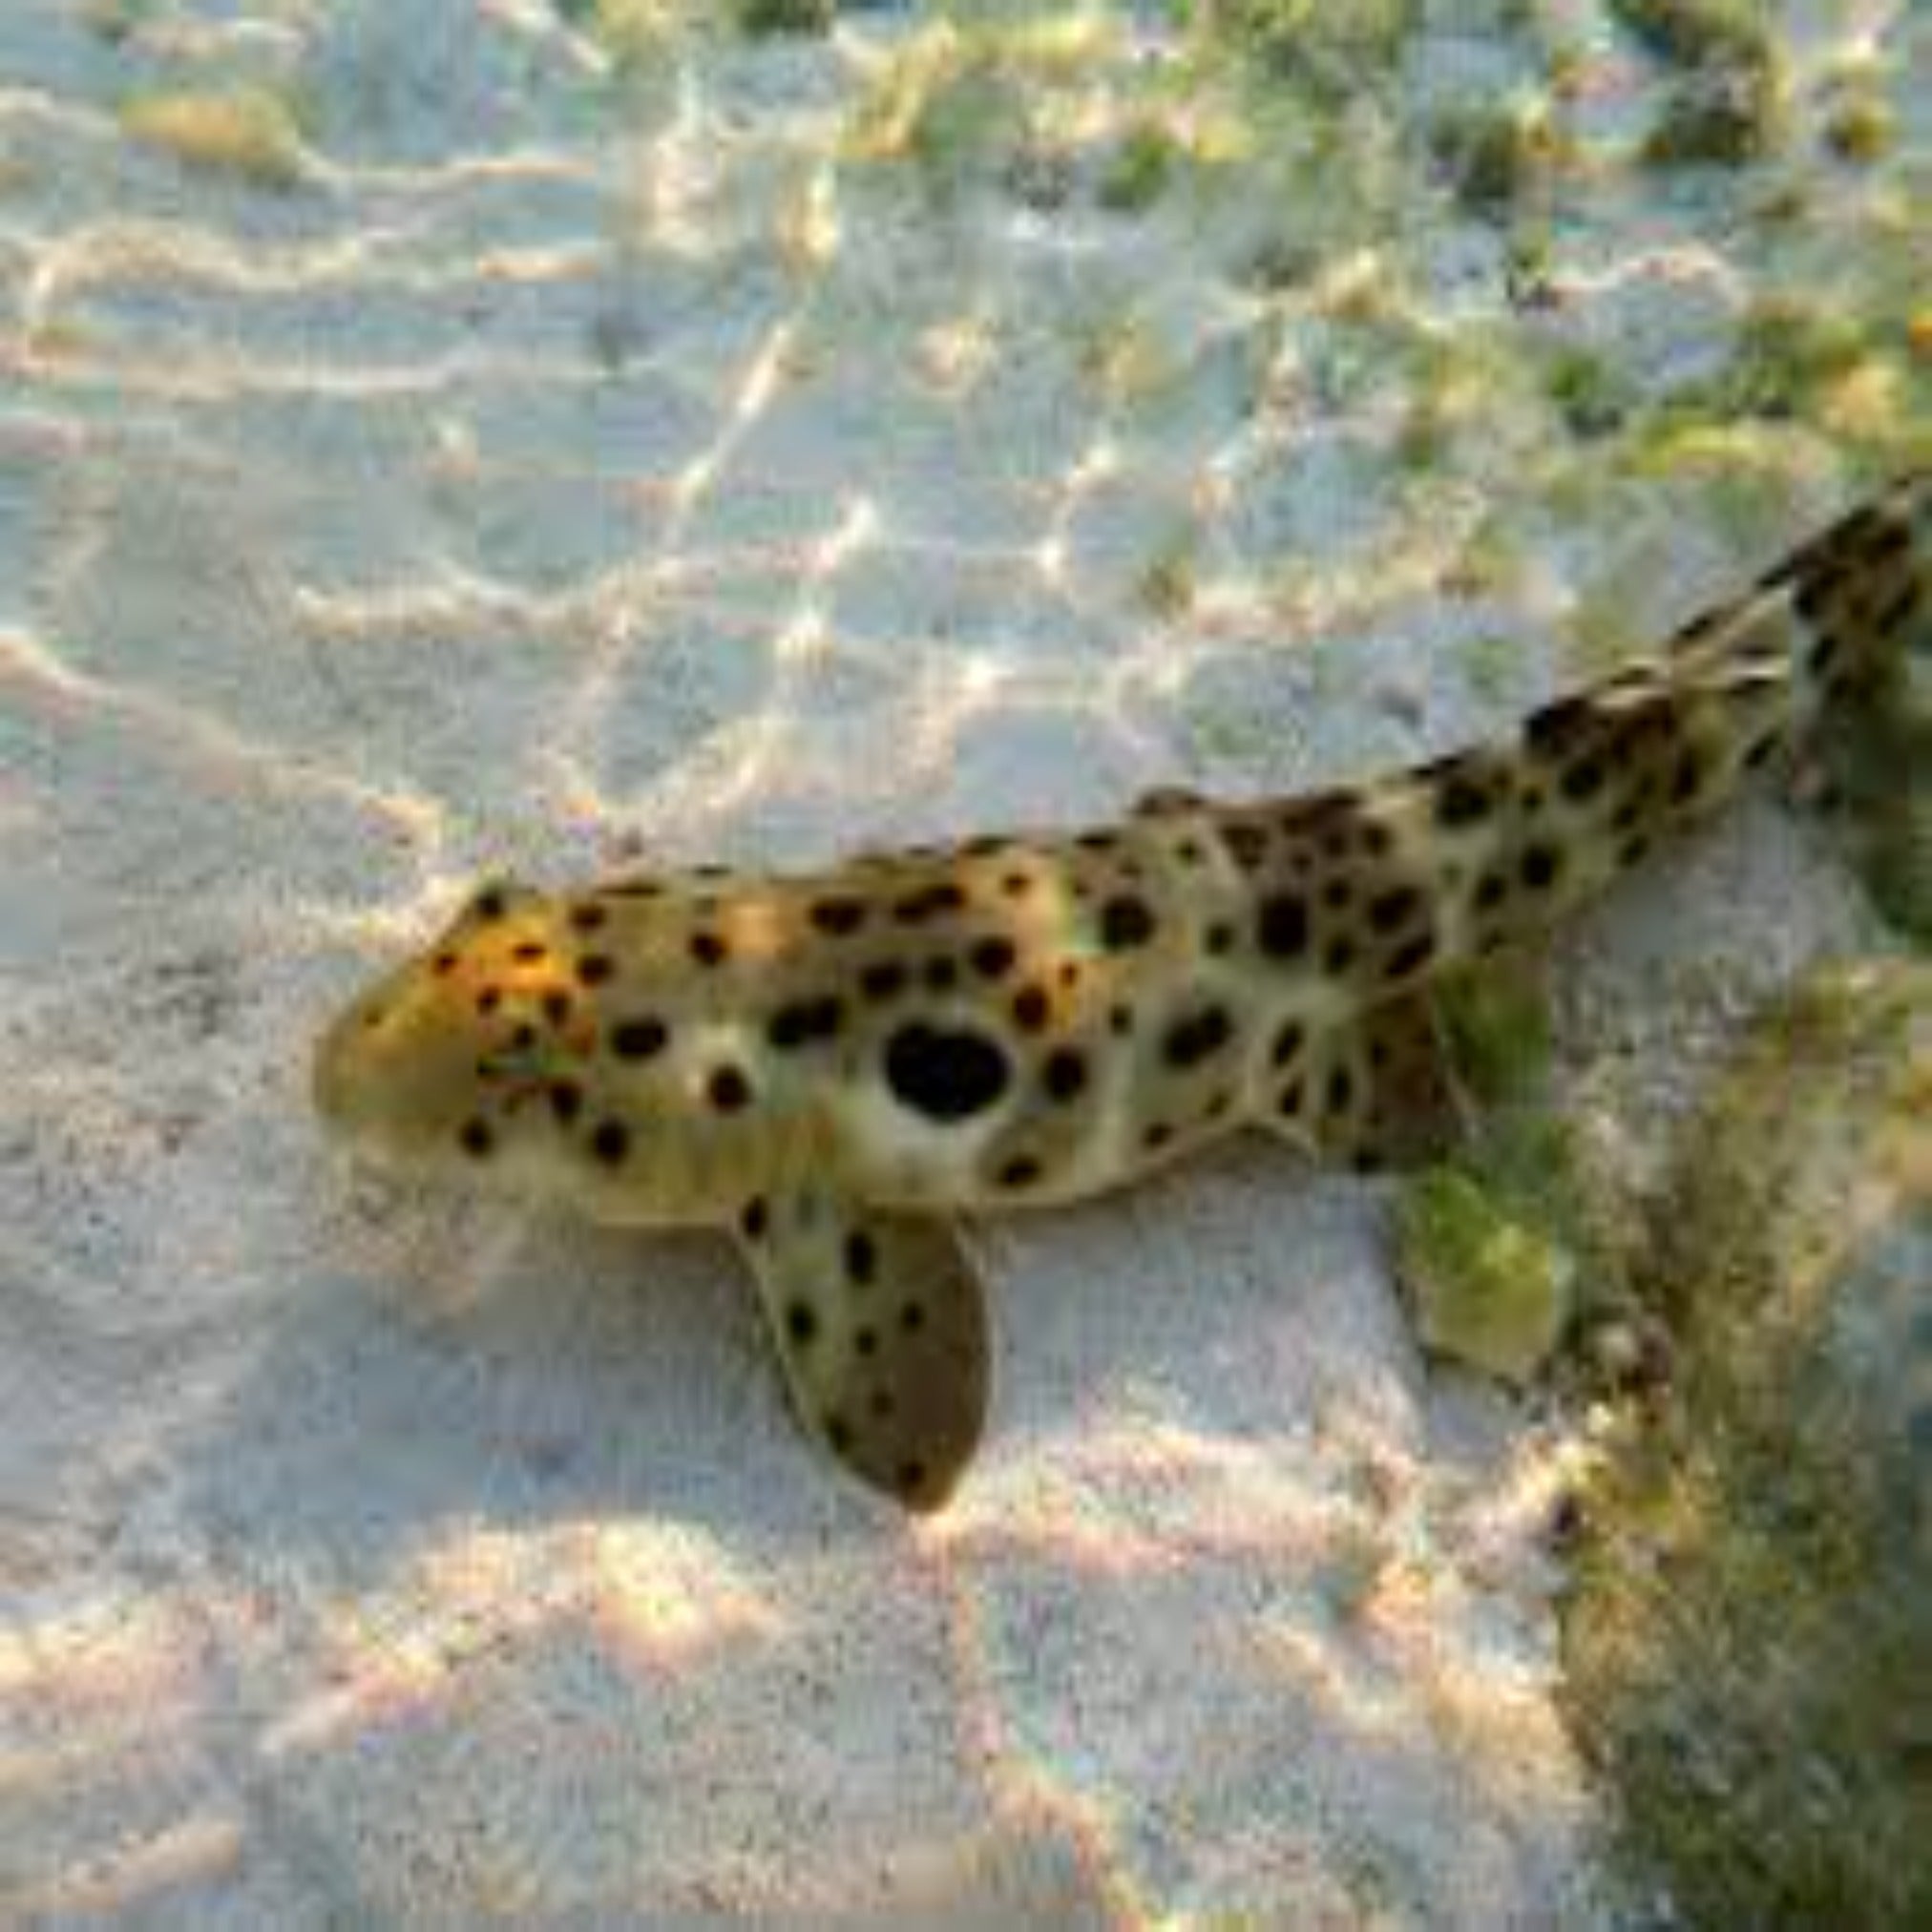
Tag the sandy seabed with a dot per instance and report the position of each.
(550, 474)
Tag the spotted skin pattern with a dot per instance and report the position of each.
(834, 1067)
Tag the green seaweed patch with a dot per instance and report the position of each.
(250, 133)
(1497, 1025)
(1336, 52)
(1140, 168)
(805, 17)
(1721, 117)
(1745, 1626)
(1724, 109)
(1486, 1287)
(957, 101)
(1697, 32)
(1589, 392)
(1496, 156)
(1170, 579)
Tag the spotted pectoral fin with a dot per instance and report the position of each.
(1378, 1091)
(880, 1322)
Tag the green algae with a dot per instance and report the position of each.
(1496, 156)
(1168, 580)
(759, 17)
(249, 133)
(1746, 1622)
(1488, 1289)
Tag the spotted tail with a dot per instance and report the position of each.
(1378, 888)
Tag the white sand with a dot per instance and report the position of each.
(505, 493)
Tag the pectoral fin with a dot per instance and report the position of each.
(881, 1324)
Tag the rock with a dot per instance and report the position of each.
(1752, 1605)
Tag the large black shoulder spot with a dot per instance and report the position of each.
(947, 1073)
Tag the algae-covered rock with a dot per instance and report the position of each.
(1749, 1635)
(1487, 1289)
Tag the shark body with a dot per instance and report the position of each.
(834, 1067)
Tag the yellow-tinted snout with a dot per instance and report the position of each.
(396, 1072)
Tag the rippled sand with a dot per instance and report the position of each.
(487, 455)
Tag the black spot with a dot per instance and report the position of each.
(488, 904)
(837, 917)
(1411, 955)
(557, 1007)
(993, 957)
(1561, 726)
(883, 1406)
(941, 974)
(707, 949)
(638, 1038)
(838, 1433)
(945, 1075)
(1197, 1038)
(1816, 591)
(1246, 839)
(1288, 1043)
(1339, 957)
(911, 1477)
(594, 969)
(801, 1322)
(728, 1090)
(1030, 1008)
(1633, 851)
(529, 953)
(1220, 939)
(1096, 841)
(1283, 925)
(1289, 1101)
(522, 1038)
(1584, 780)
(1393, 908)
(861, 1257)
(1064, 1075)
(1541, 864)
(611, 1142)
(884, 980)
(566, 1101)
(1189, 852)
(1125, 922)
(805, 1020)
(1491, 890)
(444, 964)
(588, 918)
(1121, 1021)
(1337, 893)
(1015, 885)
(634, 889)
(1341, 1090)
(1157, 1136)
(476, 1138)
(1760, 752)
(912, 1317)
(1688, 777)
(1461, 802)
(1020, 1172)
(754, 1218)
(867, 1342)
(927, 903)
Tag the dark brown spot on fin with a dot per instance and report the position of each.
(902, 1401)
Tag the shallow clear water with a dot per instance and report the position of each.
(441, 436)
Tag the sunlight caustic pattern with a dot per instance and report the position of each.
(460, 433)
